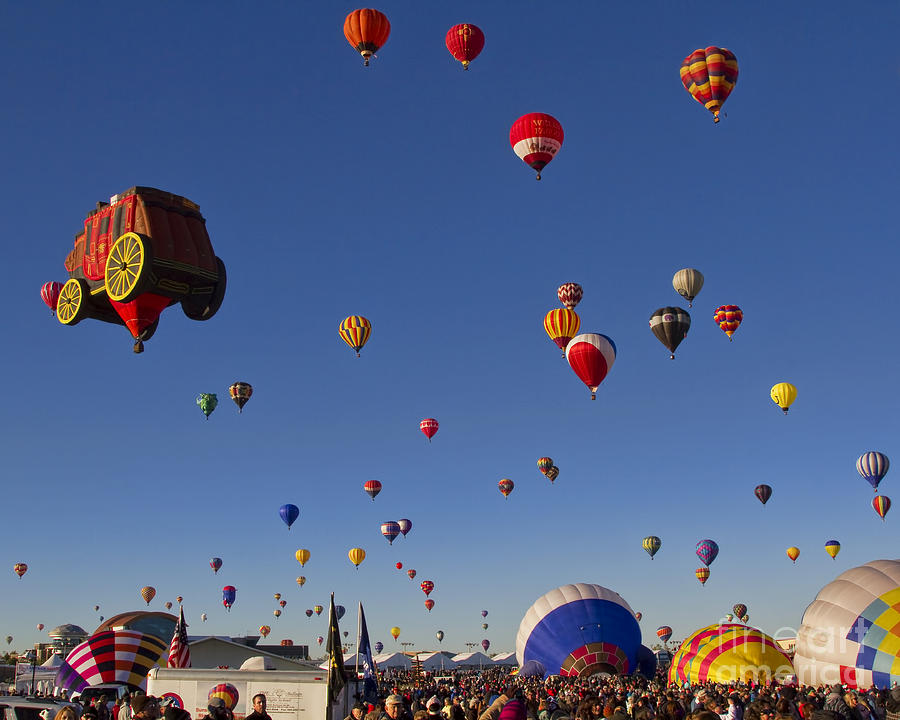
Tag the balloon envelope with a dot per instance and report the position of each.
(832, 547)
(687, 283)
(670, 325)
(709, 75)
(355, 331)
(763, 493)
(288, 514)
(664, 632)
(783, 395)
(302, 556)
(429, 426)
(728, 653)
(570, 294)
(728, 318)
(215, 563)
(405, 525)
(793, 553)
(379, 646)
(651, 544)
(707, 551)
(390, 530)
(465, 41)
(148, 593)
(395, 632)
(591, 357)
(372, 487)
(536, 138)
(111, 656)
(873, 466)
(240, 392)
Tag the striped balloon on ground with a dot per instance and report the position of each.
(591, 356)
(710, 75)
(536, 138)
(728, 653)
(111, 656)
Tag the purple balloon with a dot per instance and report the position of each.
(484, 613)
(405, 525)
(379, 646)
(485, 644)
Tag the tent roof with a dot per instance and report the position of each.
(395, 659)
(472, 658)
(53, 661)
(435, 661)
(506, 659)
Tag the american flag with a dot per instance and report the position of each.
(179, 650)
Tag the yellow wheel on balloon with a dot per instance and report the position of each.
(128, 267)
(71, 308)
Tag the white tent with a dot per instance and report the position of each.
(472, 659)
(432, 661)
(392, 660)
(350, 662)
(54, 661)
(506, 659)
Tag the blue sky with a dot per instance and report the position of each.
(331, 189)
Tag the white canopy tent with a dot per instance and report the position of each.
(392, 660)
(432, 661)
(472, 659)
(350, 662)
(506, 659)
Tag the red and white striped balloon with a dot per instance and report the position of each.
(570, 294)
(429, 426)
(591, 356)
(536, 138)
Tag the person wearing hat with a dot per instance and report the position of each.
(356, 712)
(433, 708)
(145, 707)
(395, 709)
(834, 701)
(217, 710)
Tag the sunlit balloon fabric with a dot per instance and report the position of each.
(240, 392)
(850, 633)
(207, 402)
(506, 486)
(664, 632)
(591, 356)
(688, 282)
(832, 547)
(536, 138)
(793, 553)
(111, 656)
(367, 30)
(429, 426)
(651, 544)
(881, 503)
(702, 574)
(562, 325)
(670, 325)
(579, 630)
(465, 41)
(727, 653)
(50, 294)
(728, 318)
(148, 593)
(356, 555)
(570, 294)
(783, 395)
(707, 551)
(873, 466)
(710, 75)
(355, 331)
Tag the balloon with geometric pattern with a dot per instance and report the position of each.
(227, 692)
(881, 503)
(506, 486)
(651, 544)
(355, 331)
(728, 318)
(709, 75)
(111, 656)
(570, 294)
(148, 593)
(562, 325)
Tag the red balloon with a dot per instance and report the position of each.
(372, 487)
(429, 603)
(427, 586)
(591, 356)
(465, 41)
(50, 294)
(399, 565)
(429, 426)
(412, 574)
(536, 138)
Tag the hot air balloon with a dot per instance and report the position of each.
(793, 553)
(395, 632)
(651, 544)
(552, 474)
(729, 617)
(783, 395)
(722, 653)
(276, 613)
(638, 616)
(339, 610)
(427, 586)
(707, 551)
(40, 626)
(317, 609)
(168, 605)
(399, 566)
(379, 646)
(355, 331)
(484, 626)
(356, 555)
(849, 632)
(367, 30)
(346, 634)
(485, 644)
(302, 556)
(562, 325)
(264, 630)
(412, 574)
(372, 487)
(687, 283)
(664, 632)
(227, 692)
(207, 403)
(390, 530)
(320, 639)
(287, 642)
(228, 595)
(763, 493)
(702, 575)
(728, 317)
(101, 618)
(215, 563)
(179, 599)
(203, 617)
(710, 75)
(429, 603)
(405, 526)
(429, 426)
(570, 294)
(832, 547)
(881, 503)
(240, 392)
(439, 635)
(740, 609)
(544, 464)
(282, 603)
(670, 325)
(873, 466)
(9, 639)
(148, 593)
(301, 581)
(484, 613)
(591, 356)
(536, 138)
(50, 294)
(111, 656)
(465, 41)
(20, 569)
(277, 596)
(506, 486)
(96, 608)
(288, 514)
(308, 612)
(593, 630)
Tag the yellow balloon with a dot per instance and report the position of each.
(793, 553)
(356, 555)
(302, 556)
(783, 395)
(395, 632)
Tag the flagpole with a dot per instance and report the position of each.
(358, 637)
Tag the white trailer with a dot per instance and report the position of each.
(290, 695)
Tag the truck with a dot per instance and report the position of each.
(290, 694)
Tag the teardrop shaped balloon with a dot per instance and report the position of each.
(484, 626)
(484, 613)
(277, 596)
(277, 613)
(412, 574)
(50, 294)
(873, 466)
(288, 514)
(215, 563)
(793, 553)
(439, 635)
(832, 547)
(148, 593)
(395, 632)
(20, 569)
(664, 632)
(763, 493)
(207, 402)
(544, 464)
(203, 617)
(379, 646)
(356, 555)
(783, 395)
(317, 609)
(301, 581)
(302, 556)
(339, 610)
(309, 612)
(366, 30)
(465, 41)
(506, 486)
(881, 503)
(688, 283)
(570, 294)
(40, 626)
(429, 603)
(427, 586)
(282, 603)
(536, 138)
(405, 526)
(561, 325)
(709, 75)
(638, 616)
(729, 617)
(229, 593)
(707, 551)
(485, 644)
(355, 331)
(702, 575)
(429, 426)
(372, 487)
(240, 392)
(591, 356)
(264, 630)
(390, 530)
(651, 544)
(670, 325)
(739, 609)
(96, 608)
(728, 318)
(168, 605)
(179, 599)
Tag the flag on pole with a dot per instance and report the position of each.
(179, 650)
(364, 653)
(335, 658)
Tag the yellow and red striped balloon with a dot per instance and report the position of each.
(727, 653)
(562, 325)
(355, 331)
(710, 75)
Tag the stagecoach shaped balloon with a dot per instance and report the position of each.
(142, 251)
(579, 630)
(849, 633)
(729, 652)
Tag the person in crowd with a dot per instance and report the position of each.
(259, 709)
(145, 707)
